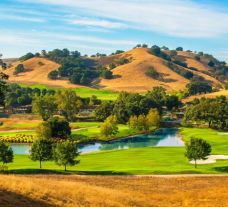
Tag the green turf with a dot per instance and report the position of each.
(94, 132)
(149, 160)
(9, 133)
(218, 140)
(85, 124)
(82, 92)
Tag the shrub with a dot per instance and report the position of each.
(19, 69)
(183, 64)
(122, 61)
(27, 57)
(211, 64)
(112, 66)
(53, 75)
(107, 74)
(151, 72)
(18, 138)
(179, 49)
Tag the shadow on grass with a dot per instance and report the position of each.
(36, 171)
(223, 169)
(9, 199)
(101, 173)
(111, 173)
(62, 172)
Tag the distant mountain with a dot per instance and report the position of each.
(9, 61)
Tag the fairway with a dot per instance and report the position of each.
(82, 92)
(148, 160)
(93, 132)
(218, 140)
(157, 160)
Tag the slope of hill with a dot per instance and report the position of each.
(36, 72)
(129, 77)
(132, 76)
(119, 191)
(209, 95)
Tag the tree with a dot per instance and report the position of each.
(44, 106)
(197, 149)
(65, 153)
(213, 112)
(2, 64)
(157, 97)
(142, 123)
(19, 69)
(27, 56)
(6, 153)
(179, 49)
(3, 87)
(197, 87)
(109, 127)
(153, 118)
(144, 46)
(211, 63)
(53, 75)
(44, 130)
(155, 50)
(93, 100)
(107, 74)
(68, 103)
(172, 101)
(60, 128)
(105, 110)
(133, 122)
(41, 150)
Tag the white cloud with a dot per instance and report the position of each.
(181, 18)
(21, 18)
(222, 55)
(25, 41)
(93, 39)
(98, 23)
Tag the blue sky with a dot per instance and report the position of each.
(104, 26)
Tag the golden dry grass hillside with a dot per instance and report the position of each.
(131, 77)
(117, 191)
(209, 95)
(36, 72)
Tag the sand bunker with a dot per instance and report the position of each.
(211, 159)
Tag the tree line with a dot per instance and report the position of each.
(212, 112)
(130, 104)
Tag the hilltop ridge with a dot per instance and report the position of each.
(130, 76)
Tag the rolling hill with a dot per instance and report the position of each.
(129, 77)
(208, 95)
(36, 72)
(132, 76)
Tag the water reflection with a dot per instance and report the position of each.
(161, 137)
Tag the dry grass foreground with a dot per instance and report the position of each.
(116, 191)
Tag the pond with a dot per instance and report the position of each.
(160, 138)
